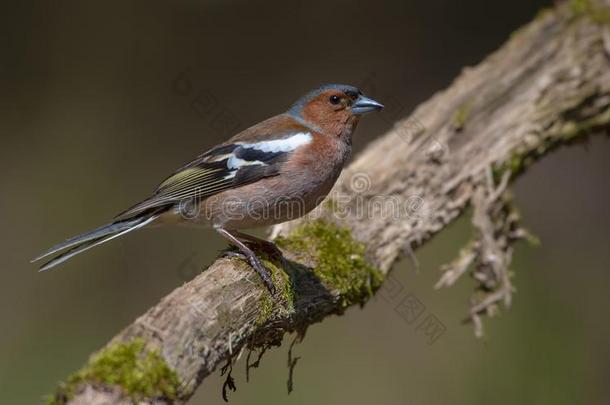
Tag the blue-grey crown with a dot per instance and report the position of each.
(297, 107)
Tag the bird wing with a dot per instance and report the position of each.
(226, 166)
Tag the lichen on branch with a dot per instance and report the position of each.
(141, 374)
(340, 261)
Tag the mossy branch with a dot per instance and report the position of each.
(548, 86)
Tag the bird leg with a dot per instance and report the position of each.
(268, 247)
(250, 256)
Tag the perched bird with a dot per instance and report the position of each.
(272, 172)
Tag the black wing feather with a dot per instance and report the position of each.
(210, 174)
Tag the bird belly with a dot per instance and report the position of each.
(267, 202)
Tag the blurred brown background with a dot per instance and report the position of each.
(92, 117)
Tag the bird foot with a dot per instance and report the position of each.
(262, 271)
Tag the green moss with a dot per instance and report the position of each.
(598, 14)
(281, 280)
(340, 260)
(142, 374)
(266, 309)
(461, 115)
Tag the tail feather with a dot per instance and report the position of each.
(96, 237)
(70, 253)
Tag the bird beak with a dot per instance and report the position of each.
(365, 105)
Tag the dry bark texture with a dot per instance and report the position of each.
(550, 84)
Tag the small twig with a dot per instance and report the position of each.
(256, 363)
(292, 362)
(229, 381)
(499, 189)
(490, 253)
(453, 271)
(411, 255)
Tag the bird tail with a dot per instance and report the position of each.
(86, 241)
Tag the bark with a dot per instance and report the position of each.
(548, 85)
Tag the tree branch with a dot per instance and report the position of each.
(549, 85)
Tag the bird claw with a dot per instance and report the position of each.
(262, 271)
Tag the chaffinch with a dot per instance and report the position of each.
(272, 172)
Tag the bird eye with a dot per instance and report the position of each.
(334, 99)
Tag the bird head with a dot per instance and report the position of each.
(334, 108)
